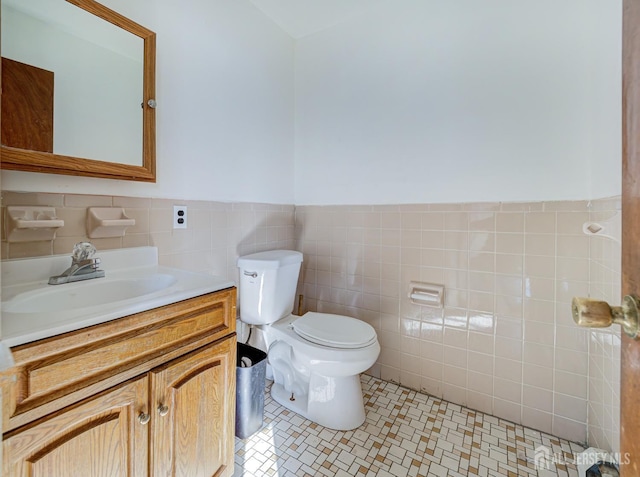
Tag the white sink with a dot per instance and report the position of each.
(86, 294)
(134, 282)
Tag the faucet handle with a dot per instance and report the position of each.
(83, 251)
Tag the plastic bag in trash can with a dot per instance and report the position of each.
(250, 379)
(603, 469)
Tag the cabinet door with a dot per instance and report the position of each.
(193, 413)
(100, 437)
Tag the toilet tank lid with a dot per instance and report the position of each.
(270, 259)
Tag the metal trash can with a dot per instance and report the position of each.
(250, 379)
(594, 462)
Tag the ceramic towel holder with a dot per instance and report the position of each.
(105, 222)
(428, 294)
(32, 224)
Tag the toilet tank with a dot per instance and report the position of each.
(268, 282)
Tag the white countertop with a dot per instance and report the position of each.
(25, 291)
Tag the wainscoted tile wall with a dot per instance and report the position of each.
(217, 234)
(604, 345)
(505, 342)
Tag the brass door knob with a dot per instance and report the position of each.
(598, 314)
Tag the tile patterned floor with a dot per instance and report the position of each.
(406, 434)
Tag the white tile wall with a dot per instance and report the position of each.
(604, 345)
(504, 343)
(217, 234)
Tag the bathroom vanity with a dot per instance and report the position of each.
(147, 394)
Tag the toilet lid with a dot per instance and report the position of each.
(335, 331)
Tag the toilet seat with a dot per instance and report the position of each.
(334, 331)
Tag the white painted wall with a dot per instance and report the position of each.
(452, 101)
(606, 77)
(414, 101)
(225, 107)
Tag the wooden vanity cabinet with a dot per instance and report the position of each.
(101, 437)
(171, 415)
(192, 436)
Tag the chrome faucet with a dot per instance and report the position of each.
(83, 266)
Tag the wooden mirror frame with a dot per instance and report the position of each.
(35, 161)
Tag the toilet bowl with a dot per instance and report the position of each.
(321, 382)
(315, 359)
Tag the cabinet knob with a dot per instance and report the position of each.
(144, 418)
(598, 314)
(163, 410)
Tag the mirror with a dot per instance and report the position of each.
(107, 85)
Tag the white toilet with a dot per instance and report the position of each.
(316, 359)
